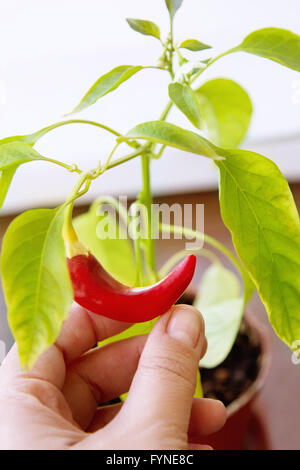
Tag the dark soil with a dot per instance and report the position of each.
(233, 376)
(239, 370)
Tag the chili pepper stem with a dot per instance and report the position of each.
(145, 198)
(183, 253)
(73, 246)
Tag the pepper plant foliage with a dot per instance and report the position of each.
(255, 200)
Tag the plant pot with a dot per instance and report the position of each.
(241, 415)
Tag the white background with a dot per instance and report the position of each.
(52, 51)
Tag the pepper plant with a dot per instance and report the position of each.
(255, 201)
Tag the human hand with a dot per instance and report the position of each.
(55, 405)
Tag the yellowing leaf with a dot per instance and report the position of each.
(36, 281)
(279, 45)
(226, 110)
(220, 301)
(116, 253)
(258, 208)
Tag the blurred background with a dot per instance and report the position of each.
(51, 52)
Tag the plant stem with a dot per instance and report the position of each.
(126, 158)
(163, 117)
(139, 281)
(213, 60)
(122, 211)
(157, 67)
(171, 48)
(202, 236)
(145, 198)
(71, 168)
(73, 246)
(170, 103)
(109, 158)
(181, 59)
(37, 135)
(45, 130)
(165, 112)
(160, 152)
(181, 254)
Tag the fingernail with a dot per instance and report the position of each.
(185, 325)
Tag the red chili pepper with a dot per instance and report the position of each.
(99, 292)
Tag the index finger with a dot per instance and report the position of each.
(80, 332)
(83, 329)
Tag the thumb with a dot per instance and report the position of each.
(163, 387)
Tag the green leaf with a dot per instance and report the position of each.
(148, 28)
(168, 134)
(134, 330)
(217, 285)
(173, 6)
(220, 301)
(258, 208)
(26, 139)
(115, 254)
(276, 44)
(6, 177)
(222, 322)
(31, 139)
(249, 286)
(194, 45)
(186, 100)
(107, 83)
(13, 153)
(36, 281)
(226, 109)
